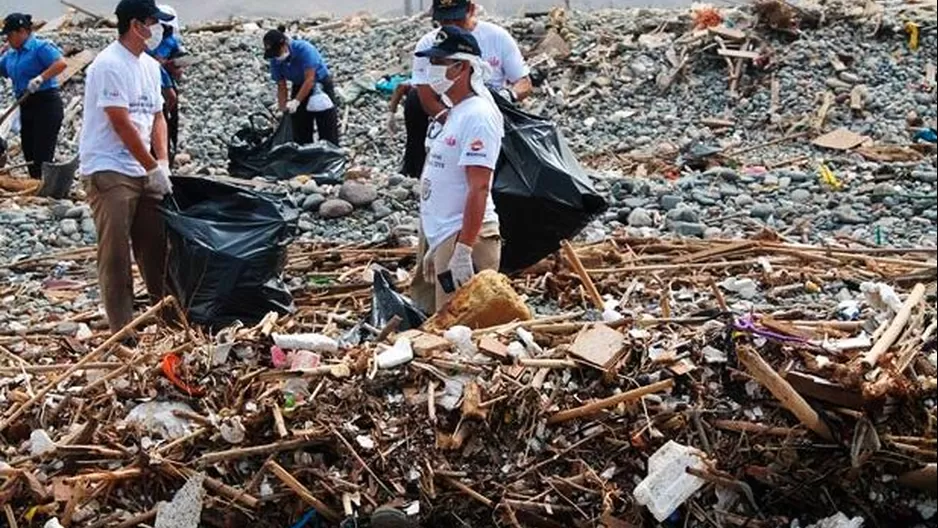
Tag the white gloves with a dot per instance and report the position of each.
(158, 179)
(292, 106)
(460, 264)
(429, 268)
(34, 84)
(392, 123)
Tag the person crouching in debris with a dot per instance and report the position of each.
(33, 65)
(300, 63)
(170, 48)
(123, 123)
(510, 75)
(459, 226)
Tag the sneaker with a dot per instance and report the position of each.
(390, 518)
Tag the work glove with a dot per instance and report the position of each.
(392, 123)
(158, 181)
(35, 84)
(292, 106)
(429, 269)
(460, 264)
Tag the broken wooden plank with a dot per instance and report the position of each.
(575, 263)
(599, 345)
(738, 54)
(896, 327)
(494, 349)
(821, 389)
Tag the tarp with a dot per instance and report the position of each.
(541, 192)
(271, 153)
(228, 248)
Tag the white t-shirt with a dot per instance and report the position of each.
(118, 78)
(472, 136)
(498, 47)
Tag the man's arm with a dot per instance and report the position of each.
(399, 92)
(159, 138)
(54, 69)
(479, 180)
(429, 101)
(124, 127)
(523, 88)
(282, 94)
(309, 80)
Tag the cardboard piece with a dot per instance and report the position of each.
(840, 139)
(599, 345)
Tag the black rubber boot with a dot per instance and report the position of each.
(391, 518)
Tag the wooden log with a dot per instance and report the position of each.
(895, 329)
(570, 254)
(783, 391)
(612, 401)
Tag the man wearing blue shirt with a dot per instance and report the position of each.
(300, 63)
(33, 65)
(170, 48)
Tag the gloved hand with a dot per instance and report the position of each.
(460, 264)
(392, 123)
(158, 181)
(292, 106)
(34, 84)
(429, 268)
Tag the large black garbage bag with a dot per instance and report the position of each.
(541, 192)
(268, 151)
(228, 248)
(386, 303)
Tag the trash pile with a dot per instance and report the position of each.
(748, 382)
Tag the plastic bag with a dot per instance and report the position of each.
(319, 101)
(541, 192)
(228, 247)
(271, 153)
(386, 303)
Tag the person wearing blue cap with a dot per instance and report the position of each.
(169, 49)
(124, 158)
(312, 101)
(459, 232)
(509, 75)
(33, 65)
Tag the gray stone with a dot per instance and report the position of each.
(395, 179)
(784, 182)
(381, 210)
(335, 209)
(849, 77)
(723, 173)
(688, 229)
(847, 215)
(358, 194)
(670, 201)
(640, 218)
(713, 233)
(68, 227)
(683, 214)
(401, 194)
(633, 203)
(66, 328)
(59, 210)
(312, 202)
(744, 200)
(925, 176)
(762, 210)
(704, 199)
(310, 187)
(87, 226)
(79, 211)
(882, 190)
(801, 196)
(770, 180)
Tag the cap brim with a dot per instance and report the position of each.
(433, 53)
(163, 16)
(453, 13)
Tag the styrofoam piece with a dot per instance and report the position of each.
(668, 484)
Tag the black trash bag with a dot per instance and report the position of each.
(271, 153)
(541, 192)
(386, 303)
(228, 248)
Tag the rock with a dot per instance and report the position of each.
(784, 182)
(310, 187)
(713, 233)
(88, 227)
(66, 328)
(688, 229)
(400, 194)
(59, 210)
(640, 218)
(335, 209)
(770, 180)
(182, 159)
(883, 190)
(847, 215)
(312, 202)
(800, 196)
(744, 200)
(683, 214)
(358, 194)
(704, 199)
(722, 173)
(79, 211)
(762, 210)
(849, 77)
(925, 176)
(68, 227)
(381, 209)
(670, 201)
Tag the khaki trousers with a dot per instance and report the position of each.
(126, 215)
(486, 254)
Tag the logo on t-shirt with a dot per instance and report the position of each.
(110, 93)
(477, 145)
(450, 141)
(425, 189)
(494, 62)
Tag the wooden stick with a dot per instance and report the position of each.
(570, 254)
(261, 450)
(715, 251)
(612, 401)
(783, 391)
(121, 474)
(11, 518)
(888, 338)
(756, 428)
(361, 461)
(43, 369)
(278, 421)
(301, 491)
(547, 363)
(767, 144)
(90, 357)
(925, 479)
(139, 519)
(489, 503)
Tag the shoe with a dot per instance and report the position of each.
(390, 518)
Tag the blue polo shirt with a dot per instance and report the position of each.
(169, 47)
(24, 64)
(303, 56)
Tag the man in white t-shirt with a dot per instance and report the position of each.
(510, 75)
(125, 159)
(458, 223)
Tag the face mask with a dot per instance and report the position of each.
(438, 81)
(156, 36)
(283, 56)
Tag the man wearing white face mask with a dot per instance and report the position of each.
(458, 223)
(125, 159)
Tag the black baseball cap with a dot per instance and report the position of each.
(451, 40)
(140, 10)
(273, 41)
(15, 21)
(447, 10)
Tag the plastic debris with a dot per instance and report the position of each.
(311, 342)
(304, 360)
(40, 443)
(185, 510)
(839, 520)
(159, 418)
(881, 296)
(399, 354)
(461, 338)
(52, 523)
(232, 430)
(745, 287)
(668, 484)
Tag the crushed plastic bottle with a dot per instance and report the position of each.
(311, 342)
(668, 484)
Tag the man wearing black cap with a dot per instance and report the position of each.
(509, 75)
(458, 224)
(33, 65)
(125, 159)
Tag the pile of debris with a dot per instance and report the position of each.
(735, 383)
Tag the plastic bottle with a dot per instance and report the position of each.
(311, 342)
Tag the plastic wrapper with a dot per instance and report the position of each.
(271, 153)
(541, 192)
(228, 247)
(386, 303)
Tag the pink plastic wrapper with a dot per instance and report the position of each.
(278, 357)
